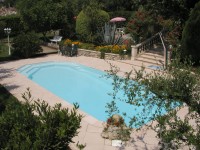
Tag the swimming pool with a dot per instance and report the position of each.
(78, 83)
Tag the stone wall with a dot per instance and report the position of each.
(96, 54)
(89, 53)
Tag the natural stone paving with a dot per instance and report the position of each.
(91, 128)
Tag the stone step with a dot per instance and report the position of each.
(150, 61)
(137, 63)
(143, 63)
(152, 53)
(152, 57)
(158, 52)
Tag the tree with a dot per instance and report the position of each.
(78, 5)
(169, 90)
(177, 10)
(89, 21)
(9, 3)
(12, 21)
(142, 25)
(173, 9)
(26, 45)
(118, 5)
(45, 15)
(190, 37)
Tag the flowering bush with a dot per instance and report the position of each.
(87, 46)
(106, 49)
(67, 42)
(142, 25)
(115, 120)
(76, 43)
(115, 128)
(110, 121)
(117, 49)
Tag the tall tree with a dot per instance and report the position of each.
(45, 15)
(191, 38)
(9, 3)
(78, 5)
(89, 22)
(174, 9)
(118, 5)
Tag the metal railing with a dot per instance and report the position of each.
(149, 43)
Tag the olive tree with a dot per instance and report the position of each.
(169, 91)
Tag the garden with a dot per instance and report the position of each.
(86, 25)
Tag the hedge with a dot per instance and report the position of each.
(87, 28)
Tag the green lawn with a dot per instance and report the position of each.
(4, 52)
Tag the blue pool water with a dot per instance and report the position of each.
(77, 83)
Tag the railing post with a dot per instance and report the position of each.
(165, 50)
(134, 52)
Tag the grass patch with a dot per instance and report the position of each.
(88, 46)
(4, 52)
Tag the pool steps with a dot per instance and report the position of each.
(31, 69)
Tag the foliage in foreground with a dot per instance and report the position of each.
(26, 45)
(36, 125)
(172, 90)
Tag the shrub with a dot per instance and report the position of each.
(128, 43)
(36, 125)
(2, 27)
(174, 30)
(89, 46)
(12, 21)
(190, 37)
(26, 45)
(105, 49)
(68, 42)
(142, 25)
(87, 27)
(117, 49)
